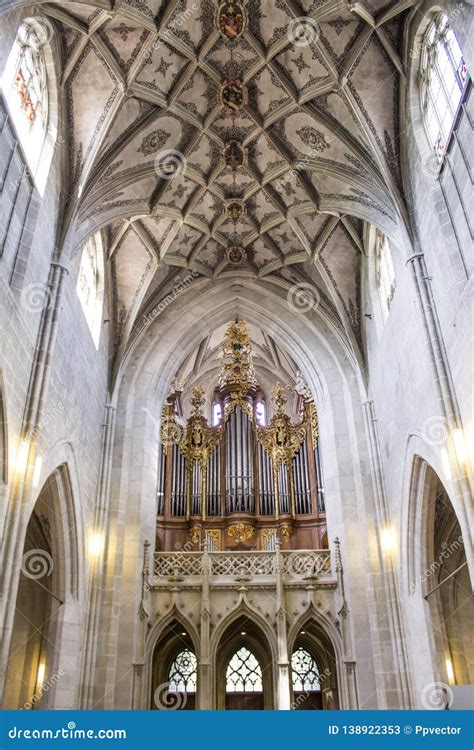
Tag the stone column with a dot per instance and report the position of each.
(19, 509)
(97, 570)
(389, 593)
(205, 675)
(283, 693)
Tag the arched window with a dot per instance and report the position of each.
(384, 273)
(26, 88)
(244, 674)
(90, 284)
(261, 413)
(304, 672)
(183, 673)
(444, 78)
(216, 414)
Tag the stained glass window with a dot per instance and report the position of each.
(304, 671)
(244, 674)
(25, 84)
(216, 414)
(183, 673)
(90, 284)
(30, 76)
(444, 78)
(384, 272)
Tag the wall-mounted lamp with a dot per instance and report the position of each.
(387, 539)
(96, 545)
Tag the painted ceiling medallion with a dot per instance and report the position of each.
(234, 209)
(235, 255)
(231, 20)
(235, 155)
(234, 94)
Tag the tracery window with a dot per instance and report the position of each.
(182, 676)
(444, 79)
(384, 272)
(304, 671)
(25, 86)
(90, 286)
(244, 674)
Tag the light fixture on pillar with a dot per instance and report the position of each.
(450, 671)
(40, 675)
(96, 545)
(387, 540)
(459, 445)
(22, 457)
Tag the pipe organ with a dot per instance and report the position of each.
(240, 484)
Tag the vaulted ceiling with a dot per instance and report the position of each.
(319, 128)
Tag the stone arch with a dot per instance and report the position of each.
(43, 663)
(321, 638)
(175, 635)
(244, 629)
(436, 587)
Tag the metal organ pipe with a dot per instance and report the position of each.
(307, 486)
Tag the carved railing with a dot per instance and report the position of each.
(297, 564)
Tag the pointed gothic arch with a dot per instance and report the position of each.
(174, 677)
(244, 646)
(43, 668)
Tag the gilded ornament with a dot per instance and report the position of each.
(241, 532)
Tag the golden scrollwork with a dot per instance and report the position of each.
(195, 534)
(241, 532)
(237, 371)
(214, 535)
(313, 419)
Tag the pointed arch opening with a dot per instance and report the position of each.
(445, 585)
(313, 670)
(175, 680)
(244, 668)
(42, 667)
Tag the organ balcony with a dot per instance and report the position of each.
(255, 569)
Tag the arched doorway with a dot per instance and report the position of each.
(42, 667)
(244, 668)
(313, 670)
(447, 589)
(175, 671)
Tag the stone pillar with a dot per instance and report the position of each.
(97, 569)
(442, 381)
(205, 674)
(283, 693)
(398, 663)
(19, 509)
